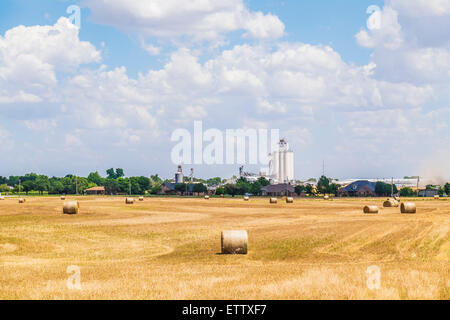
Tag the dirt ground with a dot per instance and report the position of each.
(169, 248)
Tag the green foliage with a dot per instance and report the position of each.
(115, 174)
(214, 181)
(385, 189)
(263, 181)
(181, 187)
(95, 177)
(299, 189)
(156, 179)
(220, 191)
(447, 188)
(255, 188)
(4, 187)
(407, 192)
(231, 189)
(199, 188)
(325, 186)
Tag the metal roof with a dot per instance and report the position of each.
(358, 185)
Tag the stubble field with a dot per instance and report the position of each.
(169, 248)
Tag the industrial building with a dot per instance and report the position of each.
(281, 164)
(360, 188)
(179, 177)
(278, 190)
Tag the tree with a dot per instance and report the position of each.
(385, 189)
(309, 189)
(156, 179)
(243, 186)
(119, 173)
(110, 173)
(299, 189)
(13, 180)
(4, 187)
(155, 189)
(263, 181)
(95, 177)
(447, 188)
(27, 186)
(323, 185)
(231, 189)
(180, 187)
(214, 181)
(255, 188)
(333, 188)
(220, 191)
(407, 192)
(41, 183)
(111, 186)
(144, 183)
(199, 188)
(55, 186)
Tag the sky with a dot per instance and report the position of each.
(360, 85)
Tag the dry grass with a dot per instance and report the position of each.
(169, 249)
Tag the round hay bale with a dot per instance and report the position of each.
(2, 198)
(234, 242)
(370, 209)
(436, 197)
(221, 195)
(129, 200)
(141, 198)
(326, 197)
(273, 200)
(390, 203)
(397, 199)
(246, 198)
(22, 200)
(206, 197)
(63, 198)
(289, 200)
(71, 207)
(408, 207)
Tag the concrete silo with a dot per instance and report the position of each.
(281, 164)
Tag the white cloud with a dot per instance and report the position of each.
(198, 19)
(151, 49)
(420, 8)
(269, 85)
(412, 43)
(30, 57)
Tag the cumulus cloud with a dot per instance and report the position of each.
(412, 42)
(30, 58)
(282, 85)
(198, 19)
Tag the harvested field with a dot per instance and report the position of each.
(169, 248)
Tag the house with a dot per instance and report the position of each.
(428, 193)
(95, 191)
(360, 188)
(169, 188)
(282, 189)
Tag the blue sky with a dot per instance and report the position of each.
(110, 94)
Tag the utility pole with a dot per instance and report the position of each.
(418, 179)
(323, 168)
(192, 175)
(129, 186)
(392, 188)
(76, 185)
